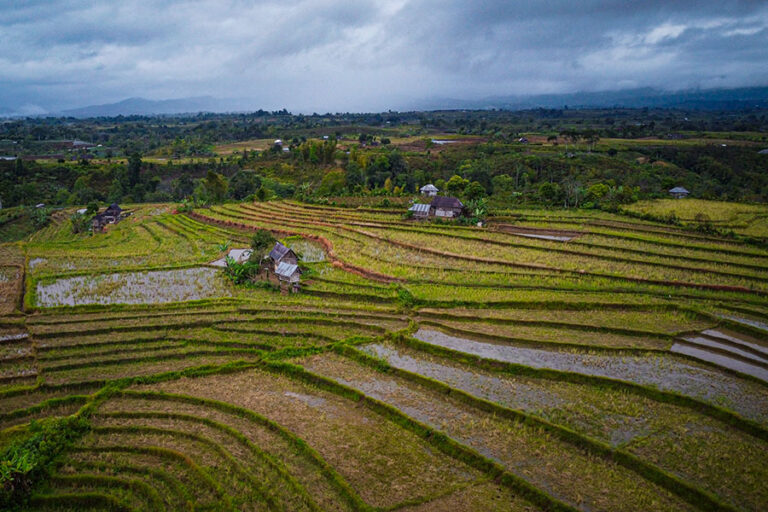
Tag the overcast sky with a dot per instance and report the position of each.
(333, 55)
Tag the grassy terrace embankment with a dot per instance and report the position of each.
(422, 367)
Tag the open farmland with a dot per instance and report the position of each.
(551, 360)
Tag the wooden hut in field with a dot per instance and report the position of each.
(446, 207)
(111, 215)
(282, 268)
(288, 274)
(282, 254)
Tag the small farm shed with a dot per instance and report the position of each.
(446, 207)
(282, 254)
(289, 274)
(420, 211)
(111, 215)
(240, 255)
(679, 192)
(429, 190)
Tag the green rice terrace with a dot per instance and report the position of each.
(551, 360)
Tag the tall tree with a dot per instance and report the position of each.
(134, 169)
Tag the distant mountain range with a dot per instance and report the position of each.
(141, 106)
(693, 99)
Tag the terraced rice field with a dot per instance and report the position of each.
(604, 364)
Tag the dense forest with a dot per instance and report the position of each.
(571, 158)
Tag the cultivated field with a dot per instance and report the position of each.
(552, 360)
(746, 219)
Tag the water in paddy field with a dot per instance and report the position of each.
(548, 237)
(133, 288)
(747, 321)
(310, 252)
(666, 372)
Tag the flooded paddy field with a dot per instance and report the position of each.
(133, 288)
(665, 372)
(625, 420)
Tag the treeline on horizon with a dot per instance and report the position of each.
(144, 134)
(357, 158)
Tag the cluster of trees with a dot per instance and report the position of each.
(194, 135)
(331, 155)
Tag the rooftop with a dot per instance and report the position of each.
(420, 208)
(278, 251)
(446, 202)
(287, 269)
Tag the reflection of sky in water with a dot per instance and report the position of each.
(133, 288)
(660, 371)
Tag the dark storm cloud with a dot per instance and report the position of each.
(334, 55)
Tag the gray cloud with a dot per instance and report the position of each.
(318, 55)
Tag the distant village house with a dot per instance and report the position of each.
(446, 207)
(111, 215)
(429, 190)
(679, 192)
(440, 207)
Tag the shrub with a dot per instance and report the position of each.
(25, 462)
(405, 299)
(40, 217)
(261, 242)
(79, 222)
(241, 273)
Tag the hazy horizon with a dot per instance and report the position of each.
(330, 56)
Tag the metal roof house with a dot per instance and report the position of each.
(446, 207)
(429, 190)
(679, 192)
(420, 211)
(288, 272)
